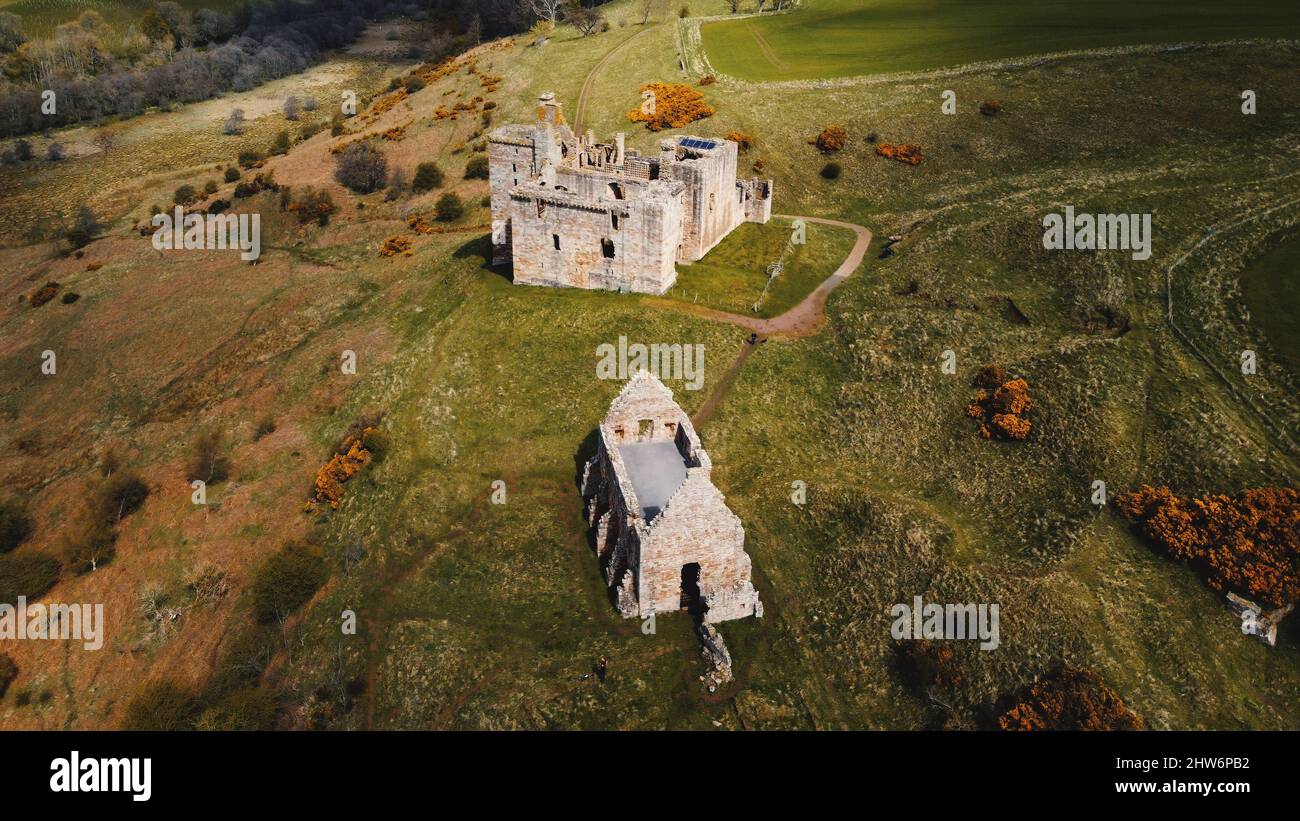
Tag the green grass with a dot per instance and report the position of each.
(837, 38)
(731, 277)
(1271, 286)
(476, 615)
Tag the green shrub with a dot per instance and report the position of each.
(232, 174)
(449, 207)
(413, 84)
(311, 130)
(428, 176)
(210, 187)
(160, 705)
(29, 575)
(477, 167)
(248, 159)
(281, 144)
(831, 171)
(287, 580)
(120, 496)
(15, 526)
(184, 195)
(8, 672)
(248, 708)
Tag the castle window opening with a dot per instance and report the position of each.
(645, 427)
(555, 238)
(607, 248)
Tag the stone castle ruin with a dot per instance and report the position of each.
(569, 211)
(666, 539)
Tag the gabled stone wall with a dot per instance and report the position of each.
(644, 560)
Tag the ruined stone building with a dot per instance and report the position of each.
(665, 537)
(568, 211)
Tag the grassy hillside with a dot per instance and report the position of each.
(839, 38)
(480, 615)
(1272, 294)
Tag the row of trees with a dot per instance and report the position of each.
(174, 56)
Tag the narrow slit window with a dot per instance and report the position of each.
(555, 238)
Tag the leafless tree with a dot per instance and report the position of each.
(291, 107)
(106, 139)
(587, 21)
(547, 9)
(235, 124)
(647, 6)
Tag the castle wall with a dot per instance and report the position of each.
(642, 243)
(567, 211)
(697, 528)
(511, 160)
(713, 202)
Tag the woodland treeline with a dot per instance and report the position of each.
(170, 55)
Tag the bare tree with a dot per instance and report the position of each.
(647, 6)
(106, 139)
(291, 108)
(547, 9)
(587, 21)
(734, 5)
(235, 124)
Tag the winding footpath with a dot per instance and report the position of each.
(803, 320)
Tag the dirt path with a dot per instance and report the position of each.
(805, 319)
(580, 110)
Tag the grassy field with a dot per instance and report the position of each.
(839, 38)
(731, 277)
(482, 615)
(1272, 293)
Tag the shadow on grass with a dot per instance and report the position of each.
(480, 249)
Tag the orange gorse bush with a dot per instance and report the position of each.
(833, 138)
(1071, 700)
(347, 462)
(1002, 411)
(909, 153)
(676, 105)
(394, 246)
(742, 140)
(1248, 544)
